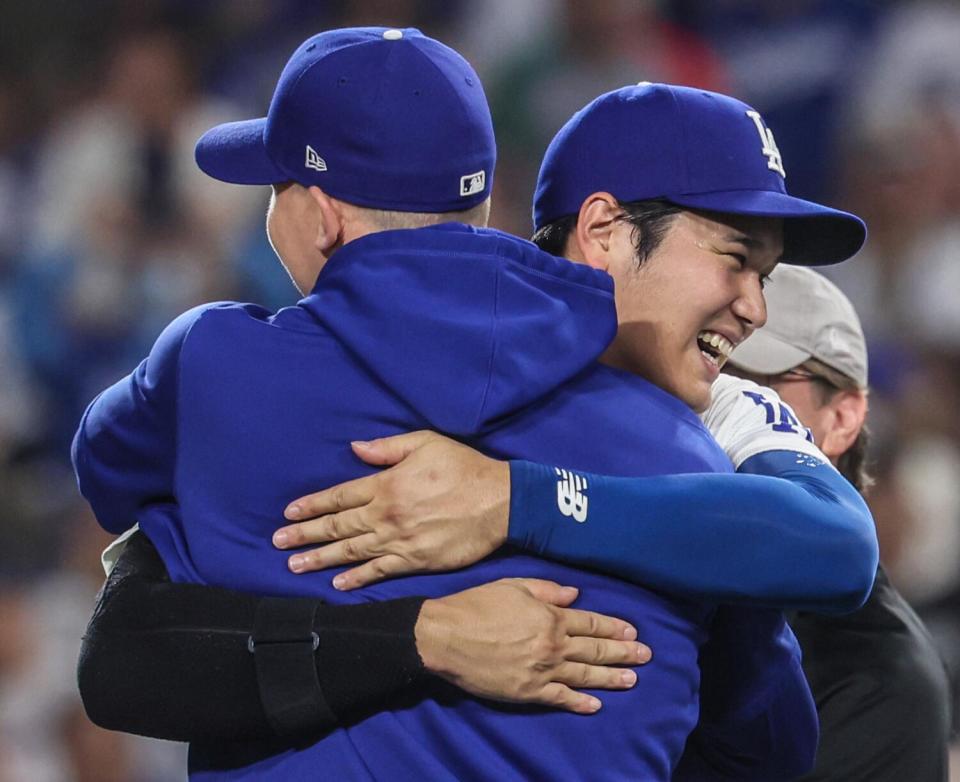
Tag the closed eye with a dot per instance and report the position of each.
(742, 260)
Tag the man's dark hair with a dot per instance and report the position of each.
(650, 220)
(853, 464)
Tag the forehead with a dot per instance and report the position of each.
(764, 234)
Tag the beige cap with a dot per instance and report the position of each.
(807, 317)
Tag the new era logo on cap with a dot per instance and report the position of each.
(314, 160)
(472, 183)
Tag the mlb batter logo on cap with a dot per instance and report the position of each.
(472, 183)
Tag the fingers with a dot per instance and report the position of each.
(342, 552)
(546, 591)
(343, 496)
(359, 492)
(559, 693)
(595, 677)
(333, 527)
(602, 651)
(390, 450)
(594, 625)
(562, 697)
(378, 569)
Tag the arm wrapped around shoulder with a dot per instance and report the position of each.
(787, 531)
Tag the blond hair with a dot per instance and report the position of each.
(386, 220)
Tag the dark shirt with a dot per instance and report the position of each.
(881, 692)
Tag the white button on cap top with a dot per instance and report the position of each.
(393, 35)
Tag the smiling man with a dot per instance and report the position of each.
(689, 249)
(678, 152)
(713, 263)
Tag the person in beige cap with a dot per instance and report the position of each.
(813, 353)
(880, 687)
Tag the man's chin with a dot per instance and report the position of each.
(701, 404)
(693, 389)
(695, 394)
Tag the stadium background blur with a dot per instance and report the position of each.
(108, 231)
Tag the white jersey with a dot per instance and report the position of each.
(112, 552)
(747, 419)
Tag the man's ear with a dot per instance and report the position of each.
(848, 410)
(591, 240)
(330, 221)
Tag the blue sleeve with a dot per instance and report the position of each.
(787, 531)
(124, 450)
(758, 719)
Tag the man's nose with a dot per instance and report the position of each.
(750, 306)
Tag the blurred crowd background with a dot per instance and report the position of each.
(108, 231)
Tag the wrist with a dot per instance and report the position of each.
(532, 505)
(432, 636)
(499, 514)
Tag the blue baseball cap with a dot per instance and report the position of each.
(378, 117)
(695, 149)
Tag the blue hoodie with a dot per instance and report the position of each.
(466, 331)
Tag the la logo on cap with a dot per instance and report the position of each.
(769, 148)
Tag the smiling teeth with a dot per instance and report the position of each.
(718, 341)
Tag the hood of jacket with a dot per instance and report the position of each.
(467, 325)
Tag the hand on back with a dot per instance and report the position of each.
(442, 506)
(517, 640)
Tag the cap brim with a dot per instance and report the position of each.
(813, 234)
(764, 354)
(235, 152)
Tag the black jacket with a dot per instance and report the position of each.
(881, 692)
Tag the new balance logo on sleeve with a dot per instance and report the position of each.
(570, 497)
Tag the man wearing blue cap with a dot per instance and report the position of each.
(721, 240)
(616, 549)
(506, 323)
(727, 240)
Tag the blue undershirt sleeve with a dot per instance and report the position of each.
(786, 531)
(124, 449)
